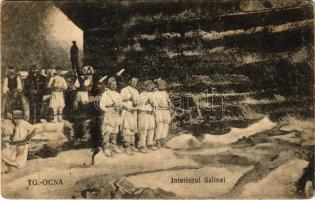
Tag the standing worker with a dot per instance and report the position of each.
(130, 96)
(74, 57)
(146, 121)
(12, 88)
(110, 103)
(34, 90)
(57, 102)
(162, 112)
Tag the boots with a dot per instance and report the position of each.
(128, 150)
(158, 144)
(143, 150)
(106, 150)
(116, 149)
(55, 118)
(151, 147)
(133, 148)
(107, 153)
(163, 142)
(60, 118)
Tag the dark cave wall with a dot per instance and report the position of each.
(271, 43)
(27, 36)
(257, 51)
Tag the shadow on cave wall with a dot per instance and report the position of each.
(26, 37)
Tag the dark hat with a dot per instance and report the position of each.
(17, 114)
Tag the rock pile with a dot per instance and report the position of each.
(51, 139)
(115, 187)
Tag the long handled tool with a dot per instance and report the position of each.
(26, 140)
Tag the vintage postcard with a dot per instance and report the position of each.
(157, 99)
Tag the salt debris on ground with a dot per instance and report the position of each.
(237, 133)
(183, 141)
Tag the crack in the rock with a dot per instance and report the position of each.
(161, 170)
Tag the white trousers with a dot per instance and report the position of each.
(161, 130)
(57, 100)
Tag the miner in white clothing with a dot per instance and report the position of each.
(130, 97)
(146, 121)
(110, 103)
(15, 137)
(162, 112)
(57, 102)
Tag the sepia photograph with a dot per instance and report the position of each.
(157, 99)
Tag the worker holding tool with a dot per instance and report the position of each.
(162, 112)
(146, 121)
(110, 103)
(15, 139)
(130, 97)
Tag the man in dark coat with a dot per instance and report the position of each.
(12, 88)
(34, 90)
(74, 57)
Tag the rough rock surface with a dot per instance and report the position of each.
(257, 159)
(236, 133)
(292, 137)
(283, 181)
(51, 138)
(183, 141)
(114, 187)
(163, 179)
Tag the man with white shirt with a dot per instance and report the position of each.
(15, 137)
(110, 103)
(130, 96)
(57, 102)
(162, 113)
(146, 121)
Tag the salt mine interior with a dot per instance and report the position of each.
(237, 50)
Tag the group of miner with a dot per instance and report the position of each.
(140, 111)
(145, 115)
